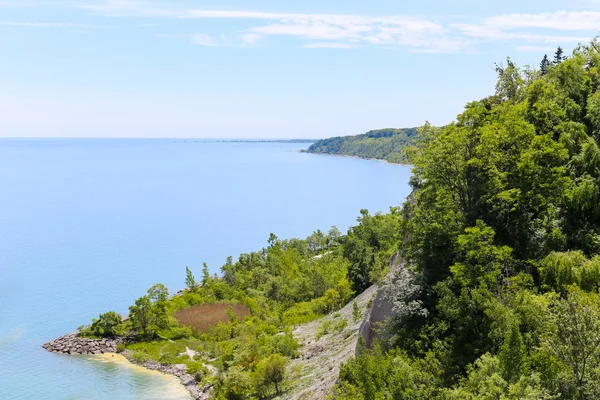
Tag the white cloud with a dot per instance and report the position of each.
(559, 20)
(38, 24)
(494, 33)
(536, 49)
(328, 46)
(417, 34)
(251, 38)
(202, 39)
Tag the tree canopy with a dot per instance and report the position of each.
(505, 234)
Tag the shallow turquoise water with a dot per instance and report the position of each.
(87, 225)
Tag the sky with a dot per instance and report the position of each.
(263, 68)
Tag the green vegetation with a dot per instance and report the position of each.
(500, 299)
(107, 325)
(383, 144)
(238, 325)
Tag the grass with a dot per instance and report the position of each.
(164, 351)
(205, 316)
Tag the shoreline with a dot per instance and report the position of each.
(172, 388)
(72, 344)
(358, 157)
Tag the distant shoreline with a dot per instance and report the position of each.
(358, 157)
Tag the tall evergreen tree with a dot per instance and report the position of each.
(545, 64)
(558, 56)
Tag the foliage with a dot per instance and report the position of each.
(503, 240)
(356, 314)
(384, 144)
(270, 371)
(107, 325)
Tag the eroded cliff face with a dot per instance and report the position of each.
(316, 371)
(381, 309)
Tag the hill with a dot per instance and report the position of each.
(382, 144)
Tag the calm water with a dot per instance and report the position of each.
(88, 225)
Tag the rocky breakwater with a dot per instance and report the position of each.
(73, 344)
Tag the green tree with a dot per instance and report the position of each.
(190, 281)
(512, 356)
(205, 274)
(140, 314)
(150, 312)
(270, 371)
(558, 56)
(544, 65)
(575, 339)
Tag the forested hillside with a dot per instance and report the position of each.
(383, 144)
(501, 296)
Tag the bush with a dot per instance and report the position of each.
(324, 329)
(270, 371)
(178, 332)
(139, 357)
(198, 370)
(106, 325)
(300, 313)
(356, 315)
(166, 358)
(340, 325)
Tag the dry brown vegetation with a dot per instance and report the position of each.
(204, 316)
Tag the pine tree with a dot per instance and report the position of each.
(205, 274)
(545, 64)
(558, 56)
(190, 281)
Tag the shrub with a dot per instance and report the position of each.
(178, 332)
(355, 312)
(139, 357)
(198, 370)
(340, 325)
(237, 384)
(300, 313)
(270, 371)
(324, 329)
(166, 358)
(106, 325)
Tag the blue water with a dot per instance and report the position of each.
(88, 225)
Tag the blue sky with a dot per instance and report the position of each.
(262, 68)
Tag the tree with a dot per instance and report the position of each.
(149, 312)
(369, 246)
(558, 56)
(512, 355)
(140, 314)
(205, 274)
(105, 326)
(545, 64)
(190, 281)
(270, 371)
(576, 336)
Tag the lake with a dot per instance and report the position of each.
(87, 225)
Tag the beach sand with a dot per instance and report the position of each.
(169, 386)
